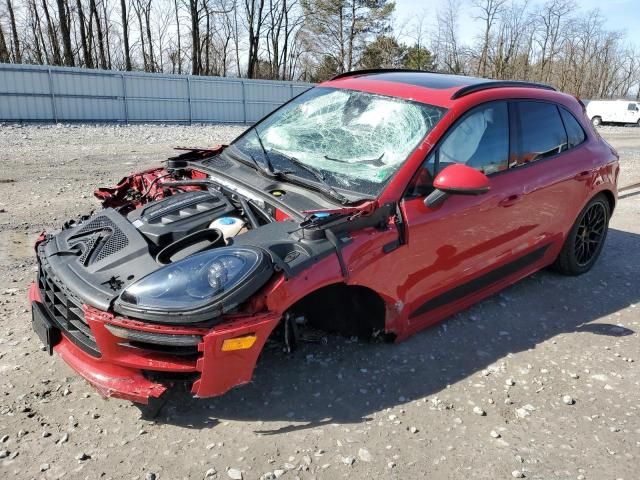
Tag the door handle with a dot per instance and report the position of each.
(582, 175)
(510, 200)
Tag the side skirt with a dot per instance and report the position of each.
(481, 283)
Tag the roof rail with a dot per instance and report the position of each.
(368, 71)
(478, 87)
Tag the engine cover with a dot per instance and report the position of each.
(165, 221)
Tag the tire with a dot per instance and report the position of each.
(596, 121)
(638, 123)
(586, 238)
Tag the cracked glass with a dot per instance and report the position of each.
(357, 140)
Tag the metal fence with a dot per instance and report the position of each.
(36, 93)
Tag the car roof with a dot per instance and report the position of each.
(427, 87)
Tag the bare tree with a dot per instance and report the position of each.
(255, 18)
(196, 61)
(446, 43)
(4, 51)
(490, 10)
(125, 35)
(65, 32)
(552, 18)
(553, 41)
(179, 53)
(88, 60)
(17, 55)
(53, 36)
(34, 22)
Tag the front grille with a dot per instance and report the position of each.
(65, 310)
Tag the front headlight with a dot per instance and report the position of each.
(203, 285)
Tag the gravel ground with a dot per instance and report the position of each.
(538, 382)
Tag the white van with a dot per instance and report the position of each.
(614, 111)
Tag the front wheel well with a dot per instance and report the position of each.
(350, 310)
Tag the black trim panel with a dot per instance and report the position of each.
(481, 282)
(478, 87)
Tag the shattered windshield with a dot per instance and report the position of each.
(356, 140)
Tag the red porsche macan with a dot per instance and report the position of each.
(377, 203)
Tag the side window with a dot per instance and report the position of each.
(575, 133)
(632, 106)
(540, 132)
(480, 140)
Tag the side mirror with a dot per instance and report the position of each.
(457, 179)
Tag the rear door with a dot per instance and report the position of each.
(554, 164)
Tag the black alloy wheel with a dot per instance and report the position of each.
(586, 238)
(590, 234)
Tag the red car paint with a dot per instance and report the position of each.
(460, 178)
(526, 213)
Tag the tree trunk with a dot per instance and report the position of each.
(40, 34)
(35, 24)
(254, 21)
(147, 17)
(125, 34)
(88, 61)
(207, 40)
(65, 32)
(236, 39)
(352, 35)
(107, 31)
(17, 55)
(138, 8)
(4, 52)
(53, 37)
(195, 37)
(178, 33)
(94, 12)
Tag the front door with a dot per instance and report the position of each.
(454, 247)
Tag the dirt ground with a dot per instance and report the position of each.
(346, 409)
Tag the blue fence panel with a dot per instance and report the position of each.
(53, 94)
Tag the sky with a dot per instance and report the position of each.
(619, 14)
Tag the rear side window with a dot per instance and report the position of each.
(541, 133)
(575, 133)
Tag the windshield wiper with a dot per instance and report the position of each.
(318, 175)
(376, 162)
(269, 167)
(265, 169)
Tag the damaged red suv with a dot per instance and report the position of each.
(377, 203)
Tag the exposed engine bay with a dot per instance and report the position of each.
(142, 228)
(139, 255)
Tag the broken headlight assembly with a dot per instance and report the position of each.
(199, 287)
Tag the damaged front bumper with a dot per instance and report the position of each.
(138, 361)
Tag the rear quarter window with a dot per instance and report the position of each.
(540, 132)
(575, 133)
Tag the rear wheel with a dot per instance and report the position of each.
(586, 238)
(596, 121)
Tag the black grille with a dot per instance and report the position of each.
(65, 311)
